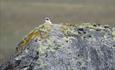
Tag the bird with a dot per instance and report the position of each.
(47, 21)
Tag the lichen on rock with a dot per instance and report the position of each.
(65, 47)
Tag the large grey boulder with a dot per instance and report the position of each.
(65, 47)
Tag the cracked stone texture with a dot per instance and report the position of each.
(68, 47)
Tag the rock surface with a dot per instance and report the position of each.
(65, 47)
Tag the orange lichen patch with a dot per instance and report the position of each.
(36, 33)
(39, 32)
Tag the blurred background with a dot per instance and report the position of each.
(18, 17)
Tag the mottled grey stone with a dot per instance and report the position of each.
(85, 51)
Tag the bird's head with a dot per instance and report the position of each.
(47, 20)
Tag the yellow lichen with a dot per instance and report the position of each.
(41, 49)
(87, 25)
(45, 27)
(38, 32)
(67, 29)
(113, 33)
(113, 38)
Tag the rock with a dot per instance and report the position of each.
(65, 47)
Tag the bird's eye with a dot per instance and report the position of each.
(47, 19)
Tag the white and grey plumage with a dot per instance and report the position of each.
(47, 20)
